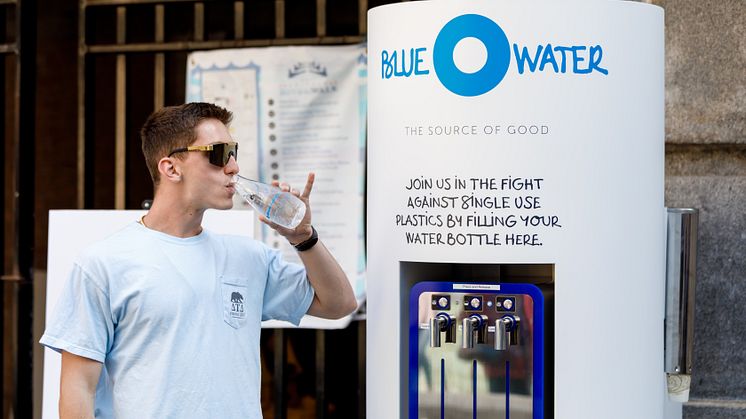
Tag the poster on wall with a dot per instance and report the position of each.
(298, 110)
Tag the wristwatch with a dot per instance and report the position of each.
(308, 243)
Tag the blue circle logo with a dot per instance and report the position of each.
(498, 55)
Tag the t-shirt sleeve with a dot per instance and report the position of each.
(288, 294)
(82, 321)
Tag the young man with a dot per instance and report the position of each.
(162, 319)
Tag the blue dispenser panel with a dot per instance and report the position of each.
(476, 351)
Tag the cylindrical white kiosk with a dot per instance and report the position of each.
(515, 210)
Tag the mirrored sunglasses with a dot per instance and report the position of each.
(218, 153)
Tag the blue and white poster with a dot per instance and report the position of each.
(298, 110)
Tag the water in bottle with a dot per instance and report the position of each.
(280, 207)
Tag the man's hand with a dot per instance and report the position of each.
(303, 231)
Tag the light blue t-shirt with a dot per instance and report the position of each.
(175, 321)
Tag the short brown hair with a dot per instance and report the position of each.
(173, 127)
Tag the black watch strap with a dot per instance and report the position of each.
(308, 243)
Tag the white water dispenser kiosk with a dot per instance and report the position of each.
(515, 210)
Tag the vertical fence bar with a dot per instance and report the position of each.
(12, 135)
(10, 348)
(199, 21)
(361, 369)
(159, 76)
(320, 374)
(238, 8)
(279, 19)
(11, 275)
(81, 104)
(362, 17)
(320, 18)
(120, 138)
(280, 378)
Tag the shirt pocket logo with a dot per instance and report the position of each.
(234, 310)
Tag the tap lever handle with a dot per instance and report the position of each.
(482, 329)
(450, 330)
(435, 332)
(442, 323)
(507, 332)
(502, 336)
(515, 335)
(474, 324)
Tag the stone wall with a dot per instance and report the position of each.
(706, 169)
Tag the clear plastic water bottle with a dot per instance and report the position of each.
(280, 207)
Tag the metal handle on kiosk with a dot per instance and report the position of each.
(476, 324)
(507, 332)
(442, 323)
(681, 264)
